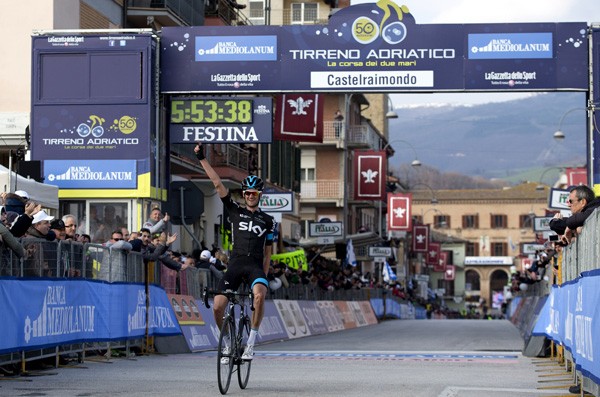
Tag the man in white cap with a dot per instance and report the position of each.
(40, 227)
(23, 194)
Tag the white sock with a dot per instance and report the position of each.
(252, 337)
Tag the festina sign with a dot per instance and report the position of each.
(320, 229)
(380, 251)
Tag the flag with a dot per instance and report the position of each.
(440, 266)
(388, 273)
(449, 274)
(420, 238)
(399, 211)
(433, 254)
(350, 257)
(369, 175)
(511, 244)
(299, 117)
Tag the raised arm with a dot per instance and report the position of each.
(214, 177)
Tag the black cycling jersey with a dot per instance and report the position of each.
(250, 231)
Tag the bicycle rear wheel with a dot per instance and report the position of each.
(243, 369)
(224, 357)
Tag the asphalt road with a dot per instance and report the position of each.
(433, 358)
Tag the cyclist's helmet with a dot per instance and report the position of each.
(253, 182)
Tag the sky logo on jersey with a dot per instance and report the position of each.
(236, 48)
(510, 46)
(256, 229)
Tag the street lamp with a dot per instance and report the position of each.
(391, 114)
(415, 162)
(541, 185)
(559, 135)
(434, 199)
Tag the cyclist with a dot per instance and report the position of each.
(252, 237)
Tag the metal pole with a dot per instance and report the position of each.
(345, 168)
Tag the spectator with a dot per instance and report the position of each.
(84, 238)
(157, 223)
(207, 261)
(8, 240)
(14, 202)
(40, 227)
(21, 223)
(582, 202)
(338, 122)
(125, 233)
(58, 227)
(148, 251)
(70, 222)
(118, 242)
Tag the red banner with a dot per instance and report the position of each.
(440, 266)
(433, 254)
(399, 210)
(449, 273)
(369, 175)
(576, 176)
(442, 263)
(420, 238)
(299, 117)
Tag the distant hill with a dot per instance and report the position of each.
(494, 140)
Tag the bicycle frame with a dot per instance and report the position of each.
(231, 338)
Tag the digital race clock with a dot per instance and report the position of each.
(226, 110)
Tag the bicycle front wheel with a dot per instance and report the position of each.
(225, 354)
(243, 369)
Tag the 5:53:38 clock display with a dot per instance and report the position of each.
(211, 111)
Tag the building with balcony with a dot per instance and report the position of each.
(490, 232)
(277, 163)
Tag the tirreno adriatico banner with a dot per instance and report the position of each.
(375, 47)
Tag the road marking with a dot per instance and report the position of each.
(395, 356)
(452, 391)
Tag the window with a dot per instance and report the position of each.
(307, 174)
(447, 286)
(304, 12)
(499, 249)
(526, 221)
(257, 12)
(441, 221)
(498, 221)
(472, 249)
(470, 221)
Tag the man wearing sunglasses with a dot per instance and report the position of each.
(582, 201)
(252, 237)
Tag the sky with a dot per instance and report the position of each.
(485, 11)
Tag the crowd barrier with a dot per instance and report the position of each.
(59, 288)
(570, 314)
(283, 319)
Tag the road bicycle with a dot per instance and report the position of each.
(230, 361)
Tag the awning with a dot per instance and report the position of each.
(360, 241)
(47, 195)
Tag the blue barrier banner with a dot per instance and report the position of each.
(50, 312)
(570, 318)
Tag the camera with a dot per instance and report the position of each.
(553, 237)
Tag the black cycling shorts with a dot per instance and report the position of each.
(243, 269)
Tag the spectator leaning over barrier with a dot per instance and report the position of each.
(8, 240)
(582, 202)
(118, 242)
(22, 223)
(148, 251)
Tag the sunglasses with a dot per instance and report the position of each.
(251, 194)
(572, 201)
(117, 239)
